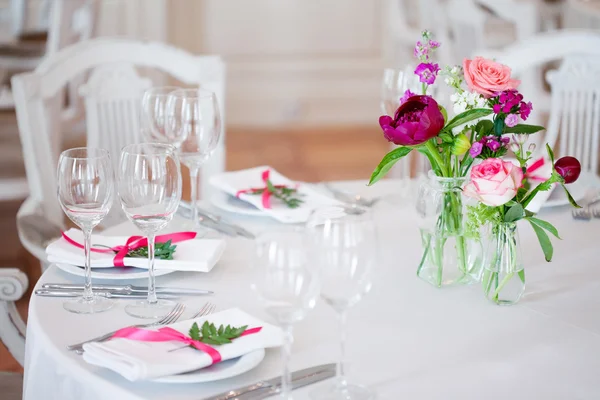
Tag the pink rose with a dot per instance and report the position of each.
(494, 182)
(488, 77)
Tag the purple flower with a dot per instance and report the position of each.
(407, 95)
(434, 44)
(505, 140)
(525, 110)
(493, 144)
(427, 72)
(497, 108)
(416, 121)
(476, 149)
(421, 52)
(511, 120)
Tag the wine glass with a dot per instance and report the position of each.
(154, 117)
(150, 191)
(193, 118)
(395, 82)
(287, 288)
(85, 193)
(342, 248)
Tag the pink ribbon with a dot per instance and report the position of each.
(168, 334)
(266, 193)
(539, 163)
(134, 242)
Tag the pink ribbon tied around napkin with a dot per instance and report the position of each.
(266, 193)
(134, 242)
(168, 334)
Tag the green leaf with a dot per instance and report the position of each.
(545, 225)
(195, 332)
(524, 129)
(388, 162)
(446, 137)
(571, 199)
(444, 112)
(498, 126)
(544, 241)
(514, 213)
(205, 329)
(550, 153)
(467, 116)
(521, 274)
(484, 126)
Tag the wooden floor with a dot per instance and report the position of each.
(311, 154)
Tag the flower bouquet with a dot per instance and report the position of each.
(487, 122)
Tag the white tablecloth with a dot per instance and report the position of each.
(406, 339)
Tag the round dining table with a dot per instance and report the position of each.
(405, 340)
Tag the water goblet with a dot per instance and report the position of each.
(154, 115)
(286, 287)
(342, 248)
(85, 193)
(150, 192)
(194, 121)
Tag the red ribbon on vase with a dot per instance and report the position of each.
(133, 243)
(168, 334)
(266, 193)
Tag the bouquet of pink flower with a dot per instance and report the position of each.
(488, 123)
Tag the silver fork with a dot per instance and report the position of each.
(584, 212)
(353, 199)
(171, 317)
(596, 212)
(207, 309)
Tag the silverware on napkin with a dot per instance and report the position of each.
(349, 198)
(208, 223)
(270, 387)
(108, 294)
(584, 212)
(209, 220)
(127, 288)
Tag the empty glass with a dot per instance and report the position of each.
(150, 191)
(287, 288)
(85, 193)
(153, 115)
(193, 118)
(342, 248)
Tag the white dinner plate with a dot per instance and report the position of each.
(116, 273)
(558, 197)
(234, 205)
(222, 370)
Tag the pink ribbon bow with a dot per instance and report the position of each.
(134, 242)
(266, 193)
(168, 334)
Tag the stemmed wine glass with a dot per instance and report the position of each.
(150, 191)
(154, 115)
(287, 288)
(342, 248)
(193, 118)
(85, 193)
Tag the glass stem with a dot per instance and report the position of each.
(286, 354)
(152, 299)
(87, 244)
(341, 366)
(194, 172)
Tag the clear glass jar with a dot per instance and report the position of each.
(503, 273)
(448, 256)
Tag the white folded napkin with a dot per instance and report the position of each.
(198, 255)
(535, 177)
(136, 360)
(233, 182)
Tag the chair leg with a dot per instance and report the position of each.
(13, 284)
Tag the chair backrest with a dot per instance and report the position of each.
(20, 11)
(575, 116)
(111, 95)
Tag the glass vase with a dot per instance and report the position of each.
(503, 273)
(449, 257)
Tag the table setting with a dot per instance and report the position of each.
(332, 290)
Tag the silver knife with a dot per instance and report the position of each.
(126, 295)
(240, 230)
(127, 288)
(209, 223)
(299, 378)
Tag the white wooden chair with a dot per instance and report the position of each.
(575, 87)
(13, 284)
(112, 97)
(575, 115)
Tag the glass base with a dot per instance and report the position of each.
(96, 305)
(146, 310)
(343, 391)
